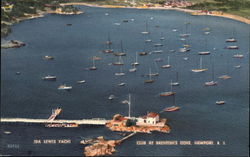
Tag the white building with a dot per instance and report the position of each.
(150, 119)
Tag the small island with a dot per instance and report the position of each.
(145, 124)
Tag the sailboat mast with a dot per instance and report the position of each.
(201, 63)
(121, 46)
(212, 70)
(171, 88)
(168, 60)
(174, 100)
(149, 73)
(129, 103)
(93, 62)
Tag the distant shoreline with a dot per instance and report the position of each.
(196, 12)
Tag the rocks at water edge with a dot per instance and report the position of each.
(12, 44)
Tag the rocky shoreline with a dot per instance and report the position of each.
(12, 44)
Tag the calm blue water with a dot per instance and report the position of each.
(27, 96)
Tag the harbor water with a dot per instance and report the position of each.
(199, 118)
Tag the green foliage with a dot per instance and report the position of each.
(131, 122)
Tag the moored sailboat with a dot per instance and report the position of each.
(200, 69)
(168, 93)
(150, 77)
(166, 65)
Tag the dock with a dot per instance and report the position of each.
(93, 121)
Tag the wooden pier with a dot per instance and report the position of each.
(93, 121)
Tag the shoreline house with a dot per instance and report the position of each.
(151, 119)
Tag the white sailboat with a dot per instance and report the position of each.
(177, 81)
(146, 29)
(156, 73)
(211, 83)
(200, 69)
(133, 69)
(93, 67)
(136, 60)
(204, 52)
(119, 62)
(166, 65)
(120, 73)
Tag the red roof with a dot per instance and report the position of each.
(152, 114)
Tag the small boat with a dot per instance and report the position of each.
(204, 53)
(174, 30)
(7, 132)
(158, 60)
(120, 62)
(136, 60)
(64, 87)
(238, 56)
(133, 69)
(237, 66)
(206, 33)
(210, 83)
(186, 45)
(184, 35)
(107, 14)
(93, 67)
(158, 44)
(184, 49)
(199, 69)
(171, 51)
(119, 54)
(82, 81)
(48, 57)
(231, 40)
(118, 24)
(169, 93)
(175, 83)
(150, 79)
(122, 53)
(55, 112)
(232, 47)
(108, 51)
(125, 102)
(171, 109)
(111, 97)
(185, 58)
(49, 78)
(18, 73)
(142, 53)
(162, 38)
(156, 51)
(166, 65)
(221, 102)
(120, 73)
(96, 58)
(125, 20)
(121, 84)
(68, 24)
(225, 77)
(148, 40)
(146, 29)
(182, 39)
